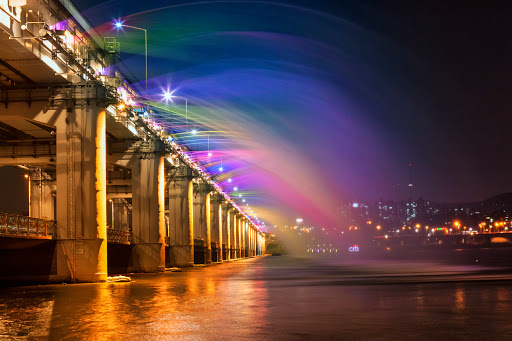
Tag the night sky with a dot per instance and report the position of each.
(305, 104)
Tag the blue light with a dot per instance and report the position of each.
(119, 24)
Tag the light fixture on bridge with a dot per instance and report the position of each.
(119, 24)
(229, 180)
(194, 132)
(167, 96)
(221, 169)
(236, 188)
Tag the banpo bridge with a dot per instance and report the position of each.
(90, 153)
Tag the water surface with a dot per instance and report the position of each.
(271, 298)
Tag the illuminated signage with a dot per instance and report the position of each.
(354, 248)
(355, 205)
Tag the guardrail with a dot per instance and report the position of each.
(118, 236)
(13, 224)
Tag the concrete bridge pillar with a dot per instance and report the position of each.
(248, 231)
(225, 230)
(232, 232)
(256, 235)
(42, 196)
(119, 213)
(181, 218)
(255, 241)
(216, 223)
(202, 218)
(236, 222)
(251, 240)
(81, 252)
(258, 244)
(244, 236)
(148, 212)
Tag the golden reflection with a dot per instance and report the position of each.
(460, 299)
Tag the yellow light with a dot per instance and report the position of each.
(26, 176)
(378, 227)
(418, 226)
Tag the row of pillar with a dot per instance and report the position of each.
(204, 215)
(196, 212)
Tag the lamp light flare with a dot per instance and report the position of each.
(221, 169)
(167, 96)
(229, 180)
(119, 24)
(194, 132)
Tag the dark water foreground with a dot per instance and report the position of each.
(272, 298)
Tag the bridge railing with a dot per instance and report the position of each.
(13, 224)
(118, 236)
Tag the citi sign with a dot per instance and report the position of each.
(354, 248)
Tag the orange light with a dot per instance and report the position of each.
(26, 176)
(378, 227)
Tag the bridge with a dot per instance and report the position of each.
(109, 188)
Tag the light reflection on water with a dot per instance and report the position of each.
(271, 298)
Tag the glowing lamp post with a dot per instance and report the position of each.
(121, 25)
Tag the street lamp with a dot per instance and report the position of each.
(121, 25)
(168, 96)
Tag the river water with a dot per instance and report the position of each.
(271, 298)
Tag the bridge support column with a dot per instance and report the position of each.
(216, 224)
(148, 213)
(42, 196)
(202, 219)
(81, 252)
(247, 239)
(251, 235)
(225, 231)
(236, 228)
(232, 232)
(239, 225)
(244, 238)
(254, 242)
(257, 243)
(181, 218)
